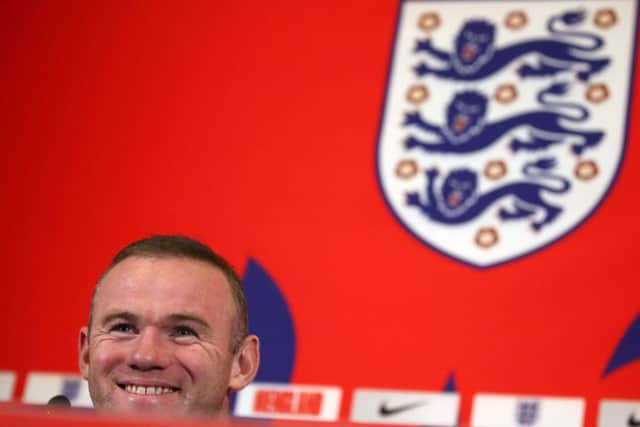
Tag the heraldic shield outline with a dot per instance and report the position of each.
(504, 123)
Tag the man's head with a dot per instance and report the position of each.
(167, 331)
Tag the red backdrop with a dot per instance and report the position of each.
(253, 126)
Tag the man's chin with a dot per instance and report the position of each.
(152, 405)
(135, 409)
(124, 402)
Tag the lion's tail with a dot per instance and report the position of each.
(559, 89)
(540, 169)
(569, 19)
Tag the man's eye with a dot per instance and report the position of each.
(123, 328)
(184, 331)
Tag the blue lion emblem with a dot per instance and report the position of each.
(457, 202)
(466, 130)
(527, 413)
(475, 56)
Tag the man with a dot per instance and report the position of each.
(167, 331)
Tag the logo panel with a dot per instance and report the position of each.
(7, 385)
(42, 386)
(288, 401)
(504, 128)
(494, 410)
(619, 413)
(405, 407)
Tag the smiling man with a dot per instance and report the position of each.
(167, 331)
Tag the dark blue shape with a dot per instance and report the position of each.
(628, 350)
(527, 413)
(475, 56)
(467, 131)
(269, 319)
(451, 383)
(456, 201)
(71, 388)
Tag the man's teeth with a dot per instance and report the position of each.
(138, 389)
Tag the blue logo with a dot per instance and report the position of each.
(628, 349)
(475, 56)
(270, 319)
(502, 133)
(527, 413)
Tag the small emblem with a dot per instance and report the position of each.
(527, 413)
(387, 411)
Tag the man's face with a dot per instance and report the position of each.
(160, 341)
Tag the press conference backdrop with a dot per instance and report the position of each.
(419, 195)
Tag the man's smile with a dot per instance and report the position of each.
(147, 390)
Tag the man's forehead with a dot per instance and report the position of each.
(163, 267)
(155, 276)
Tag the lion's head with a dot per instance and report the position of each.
(458, 187)
(474, 46)
(465, 114)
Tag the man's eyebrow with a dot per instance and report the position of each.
(128, 316)
(119, 315)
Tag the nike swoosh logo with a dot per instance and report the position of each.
(633, 422)
(386, 411)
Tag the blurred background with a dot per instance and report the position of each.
(254, 127)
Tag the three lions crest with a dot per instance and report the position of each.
(505, 122)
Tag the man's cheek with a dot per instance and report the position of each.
(196, 363)
(106, 356)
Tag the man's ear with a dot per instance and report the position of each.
(245, 363)
(83, 352)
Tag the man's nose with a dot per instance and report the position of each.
(150, 351)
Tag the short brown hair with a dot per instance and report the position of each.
(186, 247)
